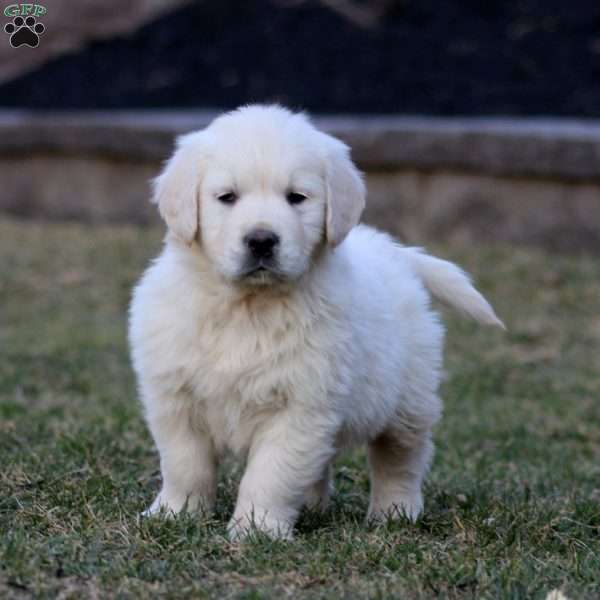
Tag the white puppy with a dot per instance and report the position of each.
(273, 326)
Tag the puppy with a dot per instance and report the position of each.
(274, 326)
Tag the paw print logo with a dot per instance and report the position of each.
(24, 32)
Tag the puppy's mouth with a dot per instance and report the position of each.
(262, 272)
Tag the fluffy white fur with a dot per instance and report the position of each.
(334, 344)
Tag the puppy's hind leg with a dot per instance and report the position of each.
(399, 459)
(319, 494)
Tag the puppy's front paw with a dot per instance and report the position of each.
(163, 506)
(240, 527)
(401, 505)
(169, 505)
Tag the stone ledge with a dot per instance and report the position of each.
(522, 181)
(548, 148)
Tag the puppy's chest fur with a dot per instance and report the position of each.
(253, 359)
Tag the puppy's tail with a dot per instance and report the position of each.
(452, 286)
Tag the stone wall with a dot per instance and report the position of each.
(535, 182)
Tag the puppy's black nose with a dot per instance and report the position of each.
(261, 243)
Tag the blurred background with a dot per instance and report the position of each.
(526, 57)
(473, 120)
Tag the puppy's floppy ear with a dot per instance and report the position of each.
(176, 189)
(345, 192)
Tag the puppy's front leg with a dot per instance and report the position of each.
(285, 460)
(187, 463)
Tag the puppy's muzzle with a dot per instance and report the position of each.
(262, 243)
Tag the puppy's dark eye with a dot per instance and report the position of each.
(295, 197)
(228, 198)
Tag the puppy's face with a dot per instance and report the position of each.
(262, 190)
(262, 210)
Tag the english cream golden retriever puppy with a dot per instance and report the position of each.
(274, 326)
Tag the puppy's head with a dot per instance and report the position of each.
(261, 190)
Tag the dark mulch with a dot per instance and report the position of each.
(524, 57)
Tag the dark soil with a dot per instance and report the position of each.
(519, 57)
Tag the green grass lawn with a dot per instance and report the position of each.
(512, 501)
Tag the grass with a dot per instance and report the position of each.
(512, 502)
